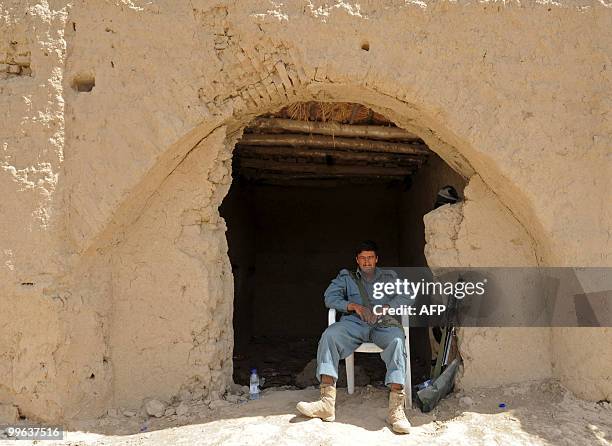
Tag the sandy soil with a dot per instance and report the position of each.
(535, 414)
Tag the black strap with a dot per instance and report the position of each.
(383, 321)
(365, 299)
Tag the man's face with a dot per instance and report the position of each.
(367, 261)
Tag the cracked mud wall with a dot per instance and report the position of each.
(516, 116)
(32, 254)
(53, 302)
(418, 201)
(173, 286)
(480, 231)
(105, 99)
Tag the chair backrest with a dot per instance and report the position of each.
(406, 323)
(331, 316)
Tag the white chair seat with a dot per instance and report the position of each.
(368, 347)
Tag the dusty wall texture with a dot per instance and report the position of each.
(117, 122)
(481, 232)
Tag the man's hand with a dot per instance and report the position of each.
(363, 312)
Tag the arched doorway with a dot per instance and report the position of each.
(186, 189)
(310, 181)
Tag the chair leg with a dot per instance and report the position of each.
(350, 373)
(408, 383)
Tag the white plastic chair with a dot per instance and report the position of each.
(370, 347)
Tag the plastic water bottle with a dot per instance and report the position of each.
(254, 385)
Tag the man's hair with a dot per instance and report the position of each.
(366, 245)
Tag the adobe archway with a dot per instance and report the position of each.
(179, 240)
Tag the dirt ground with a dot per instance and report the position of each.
(535, 414)
(280, 361)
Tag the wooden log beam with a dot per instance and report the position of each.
(330, 142)
(321, 181)
(333, 129)
(339, 156)
(260, 174)
(325, 169)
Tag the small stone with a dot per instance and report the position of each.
(155, 408)
(8, 414)
(218, 404)
(232, 398)
(236, 389)
(14, 69)
(129, 413)
(182, 410)
(112, 412)
(245, 390)
(169, 411)
(466, 401)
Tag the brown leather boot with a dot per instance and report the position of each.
(397, 417)
(324, 408)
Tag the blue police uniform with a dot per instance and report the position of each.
(341, 339)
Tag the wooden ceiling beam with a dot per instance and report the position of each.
(260, 174)
(332, 128)
(338, 156)
(324, 169)
(330, 142)
(324, 182)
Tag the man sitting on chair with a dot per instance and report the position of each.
(352, 293)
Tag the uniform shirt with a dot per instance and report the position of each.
(343, 290)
